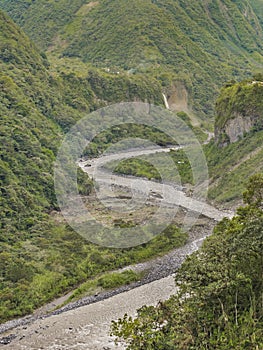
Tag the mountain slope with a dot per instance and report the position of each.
(28, 138)
(239, 110)
(201, 44)
(237, 151)
(40, 256)
(258, 8)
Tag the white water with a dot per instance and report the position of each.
(165, 101)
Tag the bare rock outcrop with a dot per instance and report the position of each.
(235, 128)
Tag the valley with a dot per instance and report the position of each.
(174, 215)
(157, 283)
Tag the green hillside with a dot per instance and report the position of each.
(258, 8)
(237, 151)
(239, 102)
(29, 136)
(31, 262)
(40, 256)
(201, 44)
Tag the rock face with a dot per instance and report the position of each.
(239, 110)
(178, 97)
(237, 127)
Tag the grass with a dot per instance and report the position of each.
(237, 161)
(173, 166)
(104, 282)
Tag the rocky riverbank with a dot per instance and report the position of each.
(17, 331)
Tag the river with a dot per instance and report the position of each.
(87, 327)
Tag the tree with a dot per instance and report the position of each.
(253, 196)
(220, 300)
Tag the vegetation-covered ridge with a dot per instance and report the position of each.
(239, 109)
(219, 302)
(40, 256)
(195, 44)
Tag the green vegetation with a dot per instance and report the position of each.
(143, 166)
(136, 167)
(236, 161)
(241, 159)
(105, 282)
(53, 260)
(126, 132)
(40, 256)
(229, 167)
(219, 303)
(195, 43)
(128, 57)
(244, 99)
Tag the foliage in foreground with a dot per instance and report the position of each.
(219, 305)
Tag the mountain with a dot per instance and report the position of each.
(190, 47)
(237, 150)
(28, 135)
(29, 139)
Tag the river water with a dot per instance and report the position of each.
(87, 327)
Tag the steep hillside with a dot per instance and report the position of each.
(239, 109)
(28, 136)
(40, 256)
(187, 45)
(232, 165)
(237, 151)
(258, 8)
(29, 139)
